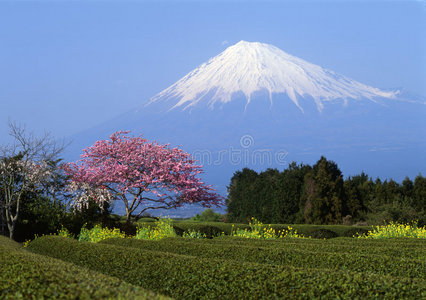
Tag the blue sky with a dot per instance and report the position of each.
(65, 67)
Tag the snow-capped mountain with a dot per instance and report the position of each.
(250, 67)
(256, 106)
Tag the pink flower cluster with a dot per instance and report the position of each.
(146, 171)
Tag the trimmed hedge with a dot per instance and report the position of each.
(322, 234)
(189, 277)
(25, 275)
(355, 232)
(305, 229)
(397, 247)
(208, 230)
(296, 257)
(219, 226)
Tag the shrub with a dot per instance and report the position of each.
(395, 247)
(65, 233)
(354, 232)
(323, 234)
(163, 228)
(208, 215)
(194, 234)
(260, 231)
(393, 230)
(189, 277)
(216, 227)
(97, 233)
(25, 275)
(313, 257)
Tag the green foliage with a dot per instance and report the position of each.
(214, 229)
(395, 230)
(194, 234)
(324, 194)
(212, 276)
(286, 253)
(208, 215)
(163, 228)
(318, 195)
(401, 247)
(89, 216)
(210, 231)
(97, 233)
(260, 231)
(25, 275)
(323, 234)
(63, 232)
(38, 216)
(240, 202)
(354, 232)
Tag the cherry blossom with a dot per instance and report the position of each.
(137, 171)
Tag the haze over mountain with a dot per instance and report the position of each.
(254, 105)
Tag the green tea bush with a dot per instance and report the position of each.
(25, 275)
(302, 229)
(323, 234)
(296, 257)
(402, 248)
(219, 228)
(191, 277)
(192, 234)
(353, 232)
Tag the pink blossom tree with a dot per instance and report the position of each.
(136, 171)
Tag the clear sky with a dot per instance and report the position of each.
(66, 66)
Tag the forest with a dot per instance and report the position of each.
(320, 194)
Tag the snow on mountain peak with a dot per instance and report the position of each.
(250, 67)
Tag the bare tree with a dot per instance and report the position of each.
(25, 165)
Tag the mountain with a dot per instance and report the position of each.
(248, 68)
(254, 105)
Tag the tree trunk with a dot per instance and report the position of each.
(11, 228)
(128, 217)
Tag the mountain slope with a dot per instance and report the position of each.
(250, 67)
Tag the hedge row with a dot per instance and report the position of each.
(213, 229)
(400, 248)
(189, 277)
(219, 226)
(379, 264)
(25, 275)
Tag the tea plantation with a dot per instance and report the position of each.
(224, 267)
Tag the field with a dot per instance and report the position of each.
(223, 267)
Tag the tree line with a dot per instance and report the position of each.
(319, 194)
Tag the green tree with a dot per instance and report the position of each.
(419, 193)
(324, 194)
(240, 195)
(262, 204)
(357, 192)
(288, 194)
(208, 215)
